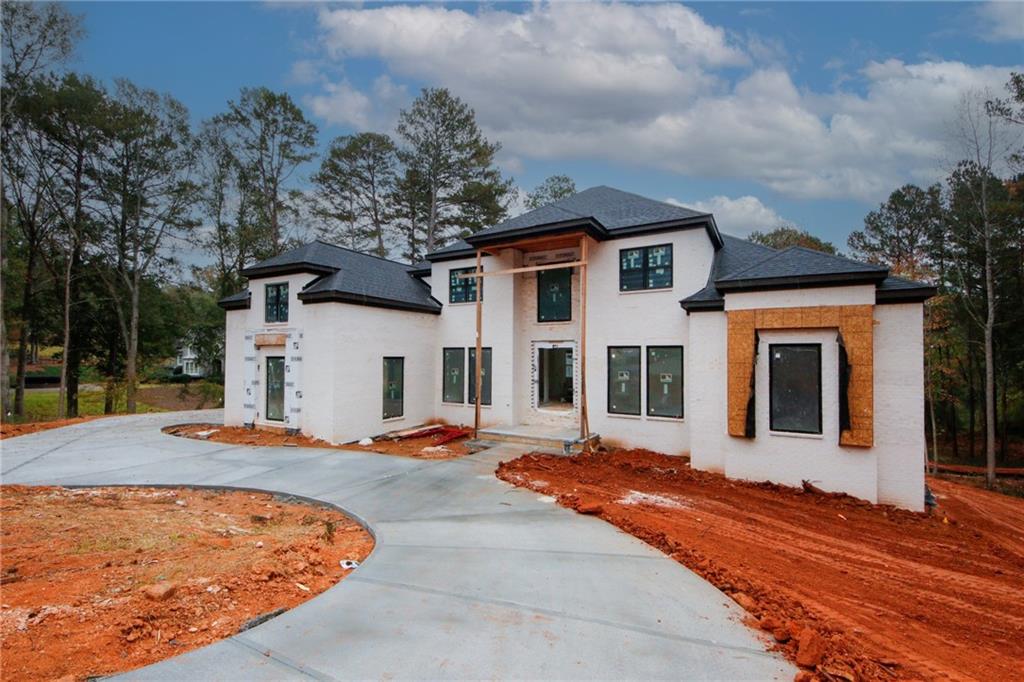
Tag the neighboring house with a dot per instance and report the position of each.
(762, 364)
(187, 360)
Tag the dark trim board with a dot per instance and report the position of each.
(372, 301)
(257, 271)
(590, 226)
(801, 281)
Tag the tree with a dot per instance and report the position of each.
(555, 187)
(1011, 111)
(982, 140)
(270, 139)
(146, 198)
(410, 205)
(899, 234)
(447, 153)
(355, 182)
(218, 192)
(784, 236)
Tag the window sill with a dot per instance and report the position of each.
(446, 404)
(794, 434)
(555, 323)
(645, 291)
(461, 303)
(634, 417)
(674, 420)
(388, 420)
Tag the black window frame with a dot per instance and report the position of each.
(568, 308)
(487, 362)
(640, 380)
(645, 268)
(384, 387)
(444, 378)
(473, 286)
(277, 287)
(771, 392)
(682, 377)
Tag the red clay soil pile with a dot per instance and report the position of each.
(8, 430)
(846, 589)
(445, 443)
(104, 580)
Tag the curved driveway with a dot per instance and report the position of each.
(470, 577)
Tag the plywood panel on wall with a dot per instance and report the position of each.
(854, 322)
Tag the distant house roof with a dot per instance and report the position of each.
(346, 276)
(602, 212)
(744, 266)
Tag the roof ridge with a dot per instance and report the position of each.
(359, 253)
(641, 196)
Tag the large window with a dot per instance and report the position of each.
(485, 376)
(277, 302)
(648, 267)
(554, 295)
(794, 375)
(275, 389)
(665, 381)
(624, 379)
(463, 289)
(454, 375)
(394, 387)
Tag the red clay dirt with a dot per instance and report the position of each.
(103, 580)
(434, 446)
(8, 430)
(885, 593)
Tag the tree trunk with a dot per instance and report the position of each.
(432, 220)
(990, 376)
(27, 319)
(133, 348)
(74, 360)
(62, 392)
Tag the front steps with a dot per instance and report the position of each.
(564, 440)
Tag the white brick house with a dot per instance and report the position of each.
(604, 313)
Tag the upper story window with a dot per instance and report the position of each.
(554, 295)
(645, 267)
(794, 377)
(463, 289)
(277, 302)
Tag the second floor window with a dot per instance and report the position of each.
(277, 302)
(554, 295)
(462, 289)
(645, 267)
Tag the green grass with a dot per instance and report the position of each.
(42, 406)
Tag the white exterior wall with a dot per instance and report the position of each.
(899, 404)
(642, 318)
(456, 328)
(707, 366)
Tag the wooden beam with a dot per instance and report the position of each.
(529, 268)
(542, 243)
(478, 378)
(584, 417)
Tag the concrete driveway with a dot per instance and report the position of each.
(470, 578)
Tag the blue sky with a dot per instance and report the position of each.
(806, 113)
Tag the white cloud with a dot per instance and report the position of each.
(656, 86)
(740, 216)
(342, 104)
(1001, 21)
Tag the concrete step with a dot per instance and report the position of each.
(557, 439)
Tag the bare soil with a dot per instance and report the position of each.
(103, 580)
(8, 430)
(889, 594)
(425, 447)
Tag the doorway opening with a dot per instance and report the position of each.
(275, 389)
(555, 378)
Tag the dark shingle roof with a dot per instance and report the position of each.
(459, 248)
(736, 254)
(350, 277)
(899, 290)
(800, 265)
(239, 301)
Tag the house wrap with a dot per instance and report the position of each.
(602, 314)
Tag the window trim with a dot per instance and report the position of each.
(277, 302)
(384, 364)
(444, 353)
(647, 378)
(478, 287)
(471, 374)
(558, 319)
(646, 267)
(771, 396)
(608, 382)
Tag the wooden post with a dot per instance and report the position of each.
(584, 418)
(478, 378)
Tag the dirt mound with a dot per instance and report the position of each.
(851, 590)
(440, 445)
(104, 580)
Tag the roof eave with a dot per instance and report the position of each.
(362, 299)
(705, 306)
(236, 302)
(259, 271)
(914, 295)
(801, 281)
(706, 221)
(590, 226)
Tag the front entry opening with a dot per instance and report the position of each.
(275, 389)
(555, 386)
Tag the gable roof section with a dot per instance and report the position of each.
(736, 254)
(602, 212)
(346, 276)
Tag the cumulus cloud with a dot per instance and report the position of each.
(342, 104)
(738, 216)
(1001, 21)
(657, 86)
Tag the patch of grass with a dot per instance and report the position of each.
(41, 406)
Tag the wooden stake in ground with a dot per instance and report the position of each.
(584, 418)
(478, 379)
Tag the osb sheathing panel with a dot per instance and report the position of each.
(855, 322)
